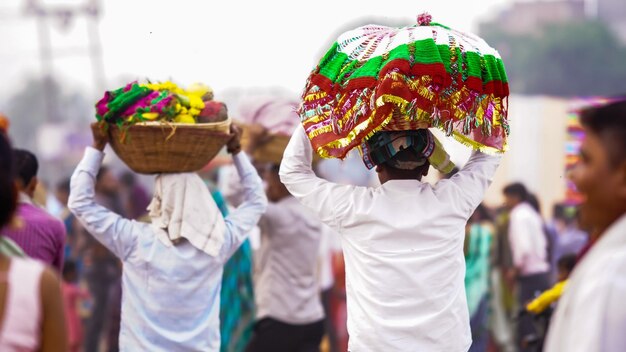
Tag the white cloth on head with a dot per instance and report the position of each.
(276, 113)
(182, 207)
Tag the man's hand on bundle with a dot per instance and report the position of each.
(100, 136)
(234, 144)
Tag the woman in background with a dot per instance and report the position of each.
(31, 310)
(477, 260)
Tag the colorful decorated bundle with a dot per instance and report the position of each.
(377, 78)
(165, 102)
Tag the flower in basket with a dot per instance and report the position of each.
(162, 101)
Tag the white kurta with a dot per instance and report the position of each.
(529, 246)
(403, 251)
(171, 294)
(591, 314)
(285, 283)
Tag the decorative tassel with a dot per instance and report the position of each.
(449, 127)
(436, 117)
(467, 124)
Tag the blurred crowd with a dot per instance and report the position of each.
(513, 255)
(498, 283)
(113, 263)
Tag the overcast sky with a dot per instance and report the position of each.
(226, 44)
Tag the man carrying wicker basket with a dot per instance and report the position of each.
(173, 266)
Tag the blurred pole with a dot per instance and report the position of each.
(45, 54)
(95, 47)
(65, 13)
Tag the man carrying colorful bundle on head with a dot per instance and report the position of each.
(378, 89)
(172, 268)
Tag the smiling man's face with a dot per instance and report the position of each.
(601, 181)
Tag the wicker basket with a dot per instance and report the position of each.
(271, 151)
(154, 147)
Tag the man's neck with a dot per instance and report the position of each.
(600, 230)
(24, 198)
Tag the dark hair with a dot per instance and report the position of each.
(558, 211)
(69, 267)
(26, 165)
(516, 190)
(103, 170)
(534, 202)
(567, 262)
(403, 156)
(482, 213)
(8, 193)
(128, 178)
(64, 185)
(609, 122)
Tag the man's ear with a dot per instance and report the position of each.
(379, 168)
(19, 185)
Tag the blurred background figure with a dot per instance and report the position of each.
(72, 244)
(529, 246)
(326, 277)
(31, 307)
(477, 248)
(290, 316)
(570, 237)
(237, 295)
(502, 303)
(135, 197)
(540, 308)
(73, 295)
(39, 234)
(102, 273)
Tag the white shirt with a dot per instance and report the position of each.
(285, 281)
(403, 251)
(171, 294)
(325, 275)
(591, 314)
(529, 245)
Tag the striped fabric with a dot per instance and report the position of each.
(40, 235)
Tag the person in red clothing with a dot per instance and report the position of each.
(72, 297)
(39, 234)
